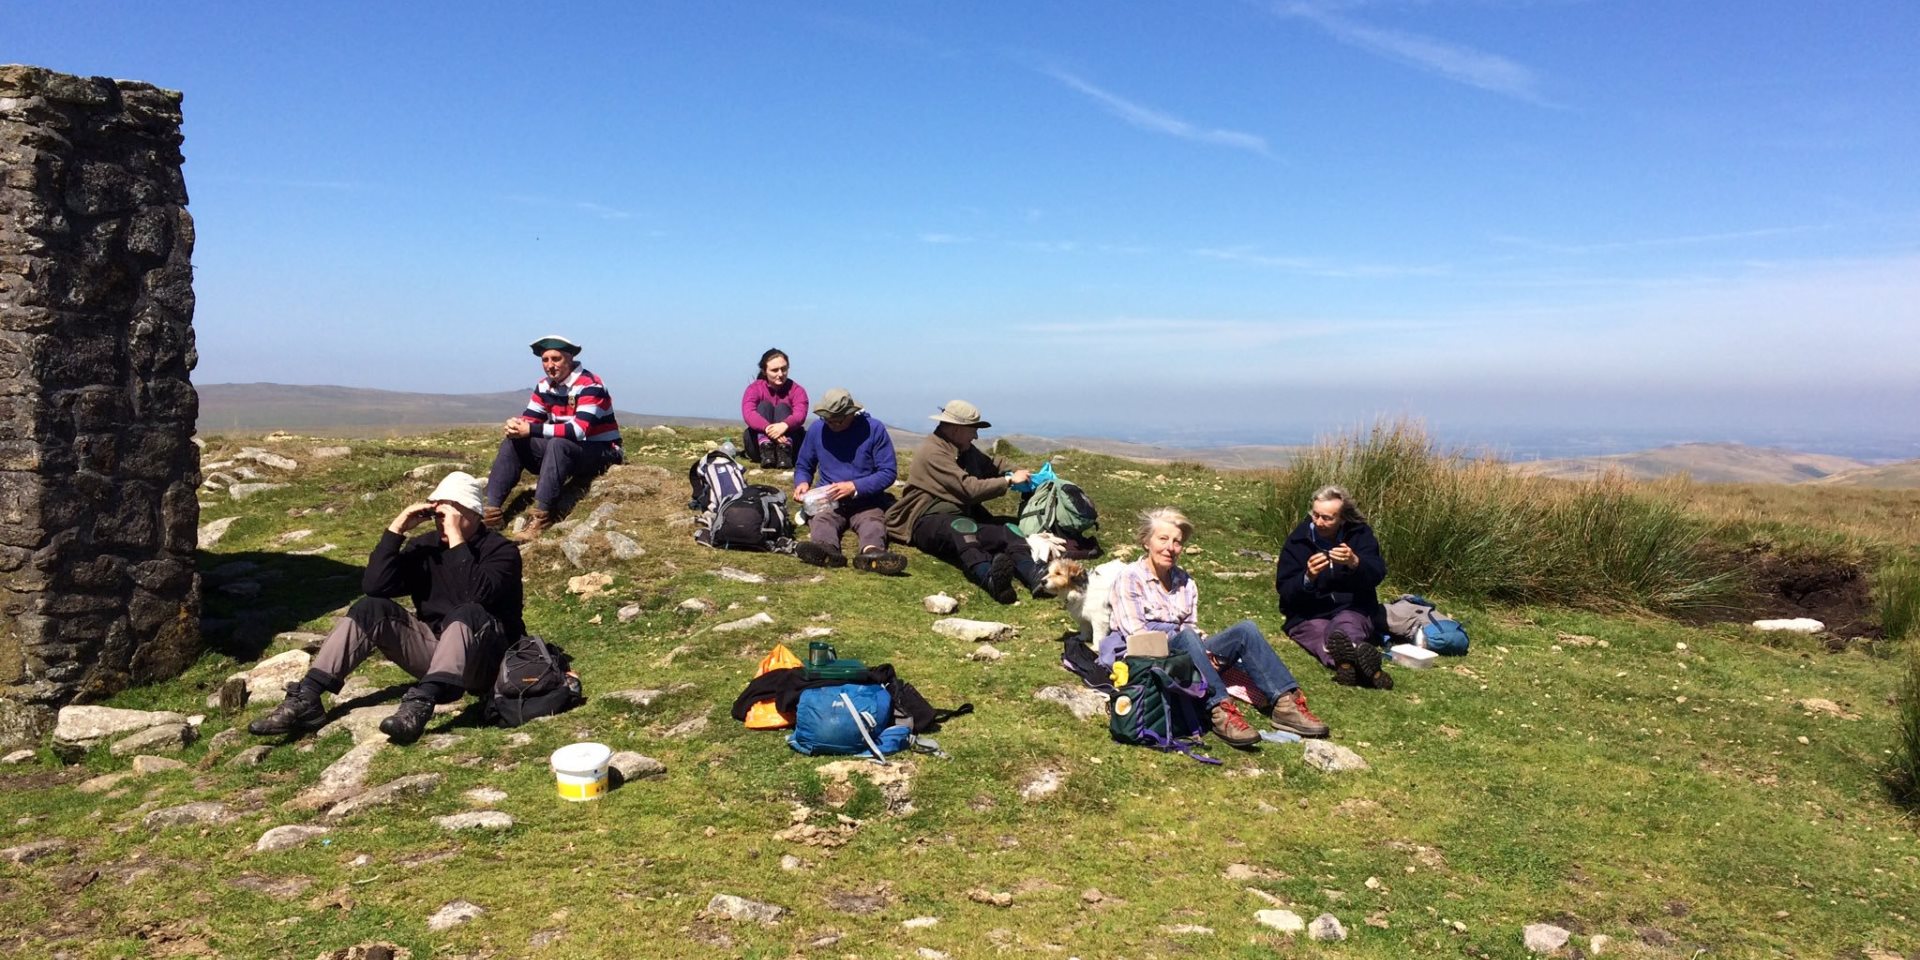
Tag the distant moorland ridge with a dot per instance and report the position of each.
(227, 408)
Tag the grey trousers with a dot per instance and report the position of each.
(869, 527)
(466, 654)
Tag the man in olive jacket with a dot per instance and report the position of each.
(942, 513)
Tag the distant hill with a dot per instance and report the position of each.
(1892, 476)
(356, 411)
(1705, 462)
(1239, 457)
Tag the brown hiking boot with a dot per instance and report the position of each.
(493, 517)
(1345, 672)
(1230, 726)
(536, 524)
(1367, 664)
(1290, 713)
(883, 562)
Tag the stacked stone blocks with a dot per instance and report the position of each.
(98, 468)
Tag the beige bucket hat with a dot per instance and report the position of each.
(962, 414)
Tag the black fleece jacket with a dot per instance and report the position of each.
(1337, 588)
(484, 570)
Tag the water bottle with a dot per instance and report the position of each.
(729, 449)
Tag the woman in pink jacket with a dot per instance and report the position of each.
(775, 409)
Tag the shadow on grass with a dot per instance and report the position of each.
(251, 597)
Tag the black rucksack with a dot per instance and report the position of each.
(536, 680)
(714, 478)
(754, 520)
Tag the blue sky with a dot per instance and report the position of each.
(1193, 220)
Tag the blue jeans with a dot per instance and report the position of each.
(1241, 645)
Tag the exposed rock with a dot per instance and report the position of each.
(29, 852)
(1285, 921)
(267, 680)
(362, 723)
(589, 585)
(314, 551)
(442, 741)
(1188, 929)
(1791, 625)
(342, 778)
(760, 619)
(686, 728)
(167, 738)
(287, 837)
(919, 923)
(242, 491)
(628, 612)
(329, 453)
(1824, 706)
(1598, 943)
(104, 782)
(475, 820)
(725, 906)
(1327, 928)
(454, 914)
(639, 698)
(1086, 703)
(211, 533)
(1041, 783)
(1543, 937)
(144, 765)
(484, 796)
(632, 766)
(18, 756)
(696, 605)
(790, 863)
(738, 576)
(79, 728)
(1332, 758)
(433, 471)
(291, 536)
(187, 814)
(266, 458)
(248, 757)
(415, 784)
(622, 546)
(577, 552)
(974, 631)
(299, 640)
(940, 603)
(992, 898)
(986, 652)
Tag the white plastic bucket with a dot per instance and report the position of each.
(580, 770)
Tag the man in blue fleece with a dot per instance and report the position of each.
(853, 458)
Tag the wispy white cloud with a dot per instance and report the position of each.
(1159, 121)
(599, 210)
(1314, 266)
(1643, 243)
(602, 211)
(1475, 68)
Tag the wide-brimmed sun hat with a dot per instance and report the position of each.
(837, 403)
(961, 414)
(554, 341)
(461, 488)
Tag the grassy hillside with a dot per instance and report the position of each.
(1673, 788)
(1704, 462)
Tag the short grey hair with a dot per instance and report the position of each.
(1167, 515)
(1349, 511)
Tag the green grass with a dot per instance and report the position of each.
(1653, 794)
(1896, 594)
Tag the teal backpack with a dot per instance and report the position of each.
(1159, 702)
(1058, 506)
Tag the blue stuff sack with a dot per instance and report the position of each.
(1412, 619)
(1445, 637)
(847, 718)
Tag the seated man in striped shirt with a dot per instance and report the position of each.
(566, 431)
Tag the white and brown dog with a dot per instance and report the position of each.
(1087, 595)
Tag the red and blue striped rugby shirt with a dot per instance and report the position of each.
(579, 409)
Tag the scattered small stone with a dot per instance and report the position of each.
(986, 652)
(686, 728)
(170, 738)
(1327, 928)
(990, 897)
(628, 612)
(242, 491)
(475, 820)
(267, 680)
(518, 739)
(79, 728)
(1544, 938)
(589, 585)
(738, 576)
(974, 631)
(1333, 758)
(639, 698)
(812, 633)
(432, 471)
(1042, 783)
(919, 923)
(622, 546)
(1188, 930)
(291, 536)
(725, 906)
(633, 766)
(696, 605)
(211, 532)
(545, 938)
(187, 814)
(1085, 703)
(104, 782)
(266, 458)
(380, 796)
(1285, 921)
(485, 796)
(287, 837)
(18, 756)
(790, 863)
(453, 915)
(29, 852)
(144, 765)
(940, 603)
(1828, 707)
(329, 453)
(1597, 944)
(760, 619)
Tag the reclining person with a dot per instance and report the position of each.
(942, 513)
(853, 458)
(464, 580)
(1327, 577)
(1154, 594)
(567, 430)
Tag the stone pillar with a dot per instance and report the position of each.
(98, 468)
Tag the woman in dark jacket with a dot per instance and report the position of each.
(1328, 572)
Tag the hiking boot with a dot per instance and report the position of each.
(408, 721)
(883, 562)
(816, 555)
(1345, 672)
(298, 713)
(537, 523)
(783, 457)
(1031, 574)
(1000, 574)
(1368, 665)
(1290, 713)
(1230, 726)
(493, 518)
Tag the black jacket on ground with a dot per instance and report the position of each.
(1337, 588)
(484, 570)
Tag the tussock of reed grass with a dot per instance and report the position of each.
(1896, 595)
(1903, 770)
(1467, 528)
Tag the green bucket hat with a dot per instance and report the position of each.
(554, 341)
(837, 403)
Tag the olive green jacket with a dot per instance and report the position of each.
(945, 479)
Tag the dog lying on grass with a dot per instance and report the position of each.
(1086, 595)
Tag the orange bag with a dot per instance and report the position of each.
(762, 715)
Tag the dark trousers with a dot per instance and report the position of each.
(1312, 635)
(961, 541)
(464, 656)
(869, 524)
(772, 413)
(552, 459)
